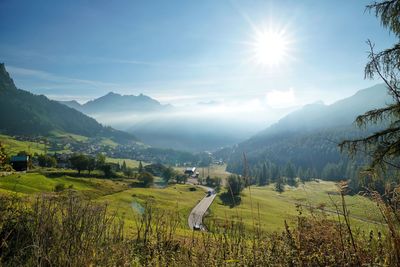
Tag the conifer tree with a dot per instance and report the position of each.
(140, 168)
(383, 146)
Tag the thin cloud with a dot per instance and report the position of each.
(47, 76)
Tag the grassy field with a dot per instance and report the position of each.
(265, 206)
(13, 146)
(177, 198)
(213, 171)
(129, 162)
(271, 208)
(126, 202)
(31, 183)
(74, 137)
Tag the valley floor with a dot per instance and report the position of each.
(259, 205)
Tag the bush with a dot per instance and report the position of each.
(146, 179)
(47, 161)
(59, 187)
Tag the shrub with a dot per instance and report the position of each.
(146, 179)
(59, 187)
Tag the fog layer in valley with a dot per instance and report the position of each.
(200, 127)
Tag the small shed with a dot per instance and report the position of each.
(20, 163)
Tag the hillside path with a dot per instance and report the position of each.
(198, 212)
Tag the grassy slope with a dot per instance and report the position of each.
(13, 146)
(129, 162)
(273, 208)
(116, 194)
(176, 198)
(31, 183)
(74, 137)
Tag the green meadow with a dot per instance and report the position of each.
(265, 207)
(13, 146)
(125, 202)
(259, 205)
(131, 163)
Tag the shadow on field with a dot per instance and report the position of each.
(229, 200)
(57, 174)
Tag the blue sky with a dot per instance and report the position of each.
(187, 51)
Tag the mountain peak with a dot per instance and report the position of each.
(113, 102)
(112, 94)
(2, 68)
(5, 79)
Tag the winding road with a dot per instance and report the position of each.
(197, 213)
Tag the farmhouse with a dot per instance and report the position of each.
(20, 163)
(190, 171)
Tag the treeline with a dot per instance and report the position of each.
(303, 156)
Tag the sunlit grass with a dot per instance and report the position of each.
(131, 163)
(13, 146)
(271, 209)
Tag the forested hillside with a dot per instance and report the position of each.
(305, 143)
(23, 113)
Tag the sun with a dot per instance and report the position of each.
(270, 47)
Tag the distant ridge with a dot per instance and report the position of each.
(307, 137)
(72, 104)
(23, 113)
(113, 102)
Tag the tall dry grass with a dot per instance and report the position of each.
(66, 230)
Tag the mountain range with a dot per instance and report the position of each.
(23, 113)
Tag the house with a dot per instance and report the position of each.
(20, 163)
(190, 171)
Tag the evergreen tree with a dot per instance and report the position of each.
(140, 168)
(263, 178)
(300, 174)
(235, 185)
(91, 164)
(290, 174)
(279, 185)
(123, 167)
(273, 172)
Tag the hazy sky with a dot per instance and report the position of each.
(188, 51)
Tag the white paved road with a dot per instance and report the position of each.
(197, 214)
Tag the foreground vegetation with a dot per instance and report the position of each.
(65, 230)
